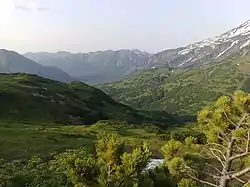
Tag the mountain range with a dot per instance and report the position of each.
(167, 80)
(108, 66)
(12, 62)
(95, 67)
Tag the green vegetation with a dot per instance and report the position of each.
(225, 159)
(183, 91)
(54, 134)
(110, 165)
(22, 141)
(30, 98)
(220, 159)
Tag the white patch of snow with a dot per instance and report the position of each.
(245, 44)
(235, 42)
(185, 51)
(184, 62)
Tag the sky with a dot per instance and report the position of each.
(93, 25)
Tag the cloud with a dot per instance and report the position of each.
(27, 5)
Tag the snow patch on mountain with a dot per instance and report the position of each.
(185, 51)
(243, 29)
(235, 42)
(245, 44)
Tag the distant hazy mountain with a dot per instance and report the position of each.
(12, 62)
(95, 67)
(108, 66)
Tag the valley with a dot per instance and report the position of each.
(98, 119)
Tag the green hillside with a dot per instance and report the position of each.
(31, 98)
(183, 90)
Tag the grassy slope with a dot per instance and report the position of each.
(185, 90)
(25, 140)
(31, 98)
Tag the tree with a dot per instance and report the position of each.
(225, 159)
(111, 166)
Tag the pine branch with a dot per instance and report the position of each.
(240, 173)
(214, 149)
(228, 119)
(246, 153)
(242, 120)
(218, 158)
(240, 180)
(210, 165)
(215, 126)
(209, 174)
(202, 181)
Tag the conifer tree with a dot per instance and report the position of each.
(225, 159)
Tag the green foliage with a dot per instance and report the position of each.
(157, 177)
(223, 160)
(35, 173)
(110, 166)
(185, 182)
(80, 167)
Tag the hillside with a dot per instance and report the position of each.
(12, 62)
(183, 91)
(26, 97)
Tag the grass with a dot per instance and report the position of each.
(18, 141)
(22, 141)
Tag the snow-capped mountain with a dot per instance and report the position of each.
(206, 50)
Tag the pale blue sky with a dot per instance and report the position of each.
(91, 25)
